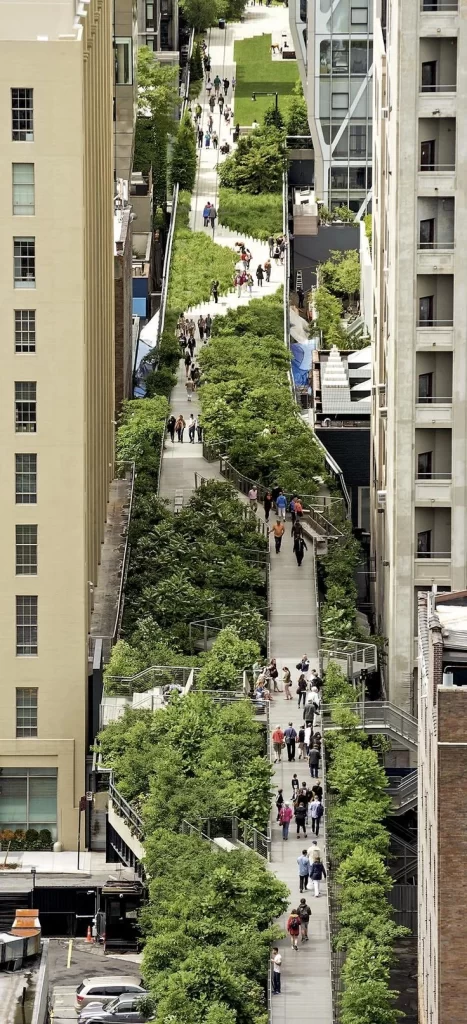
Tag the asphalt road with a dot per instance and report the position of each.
(86, 961)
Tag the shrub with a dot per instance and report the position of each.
(259, 216)
(183, 158)
(257, 164)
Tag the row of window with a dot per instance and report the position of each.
(29, 799)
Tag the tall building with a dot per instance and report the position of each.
(56, 392)
(158, 25)
(419, 479)
(442, 864)
(334, 48)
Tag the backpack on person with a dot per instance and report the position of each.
(304, 913)
(293, 924)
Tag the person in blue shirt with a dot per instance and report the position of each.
(303, 870)
(281, 504)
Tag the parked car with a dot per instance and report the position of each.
(100, 990)
(121, 1010)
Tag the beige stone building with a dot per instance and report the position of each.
(56, 392)
(419, 479)
(442, 808)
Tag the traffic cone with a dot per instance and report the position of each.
(89, 936)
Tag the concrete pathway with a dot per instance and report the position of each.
(306, 982)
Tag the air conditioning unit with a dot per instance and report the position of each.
(381, 500)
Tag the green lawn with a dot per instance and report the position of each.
(256, 72)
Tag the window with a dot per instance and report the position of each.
(23, 189)
(24, 250)
(25, 407)
(359, 16)
(424, 465)
(26, 711)
(29, 799)
(340, 101)
(357, 140)
(25, 330)
(361, 57)
(26, 626)
(123, 61)
(425, 387)
(149, 15)
(26, 479)
(364, 509)
(22, 115)
(26, 550)
(424, 548)
(425, 310)
(340, 56)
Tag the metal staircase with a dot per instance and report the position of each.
(378, 717)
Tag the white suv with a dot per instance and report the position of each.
(99, 990)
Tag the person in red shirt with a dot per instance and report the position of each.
(286, 815)
(293, 928)
(277, 739)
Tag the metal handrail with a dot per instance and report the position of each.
(126, 811)
(436, 245)
(436, 167)
(130, 683)
(435, 323)
(378, 714)
(434, 400)
(438, 88)
(166, 266)
(405, 791)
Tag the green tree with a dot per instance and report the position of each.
(183, 156)
(273, 118)
(196, 64)
(257, 164)
(329, 310)
(157, 104)
(297, 124)
(200, 14)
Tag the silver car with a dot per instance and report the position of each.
(121, 1010)
(100, 990)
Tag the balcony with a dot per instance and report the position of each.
(437, 150)
(433, 488)
(433, 412)
(435, 257)
(438, 335)
(434, 567)
(438, 16)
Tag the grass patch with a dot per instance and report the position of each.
(196, 260)
(256, 72)
(259, 216)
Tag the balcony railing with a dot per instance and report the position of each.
(434, 476)
(438, 88)
(432, 554)
(436, 167)
(434, 400)
(439, 6)
(435, 323)
(435, 245)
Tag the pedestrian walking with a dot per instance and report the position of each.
(315, 696)
(300, 821)
(271, 244)
(278, 530)
(210, 123)
(304, 665)
(295, 787)
(217, 84)
(303, 868)
(278, 743)
(253, 497)
(279, 803)
(187, 361)
(302, 687)
(299, 548)
(313, 761)
(277, 253)
(304, 913)
(212, 103)
(317, 790)
(250, 283)
(208, 325)
(287, 681)
(191, 429)
(286, 815)
(201, 327)
(267, 270)
(316, 811)
(208, 205)
(212, 216)
(236, 133)
(259, 275)
(300, 297)
(226, 84)
(276, 961)
(214, 292)
(308, 738)
(200, 137)
(234, 81)
(293, 928)
(309, 712)
(207, 143)
(209, 87)
(179, 428)
(171, 428)
(221, 103)
(317, 872)
(316, 679)
(281, 504)
(314, 852)
(215, 140)
(199, 431)
(267, 505)
(290, 736)
(301, 743)
(189, 387)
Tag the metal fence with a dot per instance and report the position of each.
(234, 829)
(155, 675)
(126, 811)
